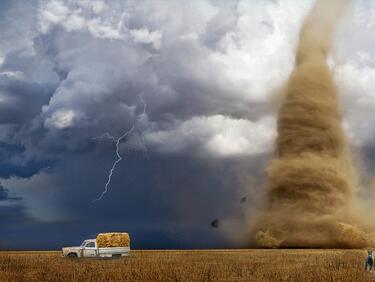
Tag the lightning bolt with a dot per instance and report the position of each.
(119, 158)
(117, 142)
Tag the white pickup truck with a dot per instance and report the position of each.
(89, 249)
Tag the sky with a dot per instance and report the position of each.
(196, 84)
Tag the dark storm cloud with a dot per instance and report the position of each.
(14, 161)
(4, 195)
(21, 94)
(73, 70)
(12, 214)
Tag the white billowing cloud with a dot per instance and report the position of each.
(77, 16)
(354, 71)
(219, 135)
(365, 57)
(102, 29)
(97, 6)
(143, 35)
(53, 12)
(61, 119)
(259, 51)
(74, 22)
(358, 94)
(241, 137)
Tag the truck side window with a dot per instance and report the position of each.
(90, 245)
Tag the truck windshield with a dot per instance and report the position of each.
(83, 244)
(90, 245)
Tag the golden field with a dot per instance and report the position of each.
(192, 265)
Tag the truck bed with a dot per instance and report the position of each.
(113, 251)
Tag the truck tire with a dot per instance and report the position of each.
(72, 256)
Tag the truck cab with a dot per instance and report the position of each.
(89, 248)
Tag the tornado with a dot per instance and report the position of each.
(311, 180)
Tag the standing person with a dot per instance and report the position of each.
(369, 261)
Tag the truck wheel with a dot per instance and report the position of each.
(72, 256)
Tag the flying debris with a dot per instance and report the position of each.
(243, 200)
(215, 223)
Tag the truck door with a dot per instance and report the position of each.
(89, 250)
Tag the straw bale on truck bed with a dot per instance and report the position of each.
(106, 240)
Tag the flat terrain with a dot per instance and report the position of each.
(212, 265)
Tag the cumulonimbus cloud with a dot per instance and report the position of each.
(207, 70)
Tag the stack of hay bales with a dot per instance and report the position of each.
(107, 240)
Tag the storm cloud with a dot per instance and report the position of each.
(207, 72)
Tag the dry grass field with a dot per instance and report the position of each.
(213, 265)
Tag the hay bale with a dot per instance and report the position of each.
(106, 240)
